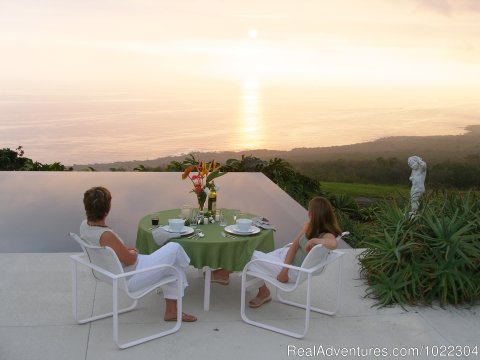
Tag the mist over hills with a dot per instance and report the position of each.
(433, 149)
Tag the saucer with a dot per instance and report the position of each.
(233, 229)
(186, 230)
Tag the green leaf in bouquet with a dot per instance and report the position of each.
(213, 175)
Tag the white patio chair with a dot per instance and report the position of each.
(106, 267)
(314, 263)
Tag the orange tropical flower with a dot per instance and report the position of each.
(202, 180)
(187, 172)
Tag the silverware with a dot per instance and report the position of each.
(198, 233)
(155, 227)
(224, 234)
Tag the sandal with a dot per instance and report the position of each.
(224, 282)
(257, 302)
(220, 281)
(185, 318)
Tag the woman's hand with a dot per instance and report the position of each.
(328, 240)
(283, 275)
(310, 244)
(125, 255)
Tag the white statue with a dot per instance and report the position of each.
(419, 171)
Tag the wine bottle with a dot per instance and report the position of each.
(212, 199)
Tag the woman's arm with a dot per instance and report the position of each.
(283, 274)
(328, 240)
(126, 256)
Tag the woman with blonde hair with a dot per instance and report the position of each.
(94, 230)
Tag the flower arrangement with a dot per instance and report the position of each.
(202, 179)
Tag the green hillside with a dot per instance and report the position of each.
(431, 148)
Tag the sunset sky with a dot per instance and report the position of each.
(232, 75)
(58, 43)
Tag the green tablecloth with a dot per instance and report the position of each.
(213, 250)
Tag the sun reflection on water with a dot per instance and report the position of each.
(250, 129)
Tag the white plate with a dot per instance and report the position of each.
(233, 229)
(187, 230)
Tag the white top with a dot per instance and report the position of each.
(92, 234)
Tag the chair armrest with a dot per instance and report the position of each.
(336, 254)
(151, 268)
(275, 263)
(82, 259)
(332, 256)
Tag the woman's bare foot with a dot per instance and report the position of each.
(262, 297)
(171, 312)
(185, 317)
(221, 276)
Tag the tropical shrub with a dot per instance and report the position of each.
(300, 187)
(347, 213)
(343, 203)
(358, 231)
(431, 257)
(13, 160)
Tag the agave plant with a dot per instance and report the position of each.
(343, 203)
(358, 231)
(434, 257)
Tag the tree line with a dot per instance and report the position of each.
(13, 160)
(393, 171)
(300, 176)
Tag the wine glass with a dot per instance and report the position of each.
(235, 215)
(193, 218)
(186, 211)
(222, 218)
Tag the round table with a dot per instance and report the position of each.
(213, 250)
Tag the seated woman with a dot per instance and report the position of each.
(97, 202)
(321, 228)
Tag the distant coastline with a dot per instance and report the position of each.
(431, 148)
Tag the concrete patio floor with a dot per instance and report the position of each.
(36, 320)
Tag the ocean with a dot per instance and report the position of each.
(75, 127)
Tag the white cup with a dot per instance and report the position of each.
(243, 225)
(176, 225)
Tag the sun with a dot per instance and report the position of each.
(253, 33)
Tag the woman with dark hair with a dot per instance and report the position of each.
(321, 228)
(94, 230)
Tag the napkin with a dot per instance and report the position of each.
(162, 236)
(262, 223)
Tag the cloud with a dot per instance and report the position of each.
(466, 5)
(441, 6)
(450, 7)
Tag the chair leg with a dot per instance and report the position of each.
(115, 311)
(126, 345)
(75, 302)
(244, 286)
(317, 309)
